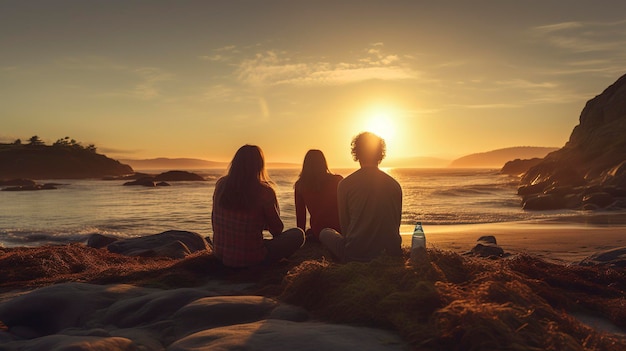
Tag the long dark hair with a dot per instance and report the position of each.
(245, 179)
(314, 170)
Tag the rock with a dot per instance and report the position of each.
(590, 207)
(614, 257)
(615, 191)
(278, 335)
(543, 202)
(178, 176)
(78, 343)
(143, 181)
(519, 167)
(78, 316)
(218, 311)
(531, 189)
(163, 178)
(172, 243)
(151, 307)
(17, 182)
(599, 199)
(487, 239)
(596, 151)
(487, 247)
(51, 309)
(33, 187)
(572, 201)
(98, 241)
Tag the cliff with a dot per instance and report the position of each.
(590, 170)
(56, 162)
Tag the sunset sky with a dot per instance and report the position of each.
(144, 79)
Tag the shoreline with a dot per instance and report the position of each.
(561, 240)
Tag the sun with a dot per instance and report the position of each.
(380, 121)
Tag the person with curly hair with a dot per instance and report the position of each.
(370, 207)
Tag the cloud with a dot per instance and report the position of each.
(137, 82)
(147, 87)
(273, 68)
(550, 28)
(223, 54)
(491, 106)
(525, 84)
(584, 37)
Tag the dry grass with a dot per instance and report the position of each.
(444, 302)
(451, 302)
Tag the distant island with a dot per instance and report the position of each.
(171, 163)
(497, 158)
(490, 159)
(162, 163)
(64, 159)
(69, 159)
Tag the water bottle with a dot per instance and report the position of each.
(418, 241)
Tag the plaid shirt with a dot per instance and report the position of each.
(238, 235)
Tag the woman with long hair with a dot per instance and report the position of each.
(316, 191)
(244, 205)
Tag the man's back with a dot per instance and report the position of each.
(370, 211)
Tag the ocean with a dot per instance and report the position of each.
(80, 208)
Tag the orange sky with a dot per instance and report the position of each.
(144, 79)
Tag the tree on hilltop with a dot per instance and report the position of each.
(35, 141)
(67, 142)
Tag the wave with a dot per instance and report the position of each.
(21, 237)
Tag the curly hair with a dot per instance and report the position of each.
(368, 147)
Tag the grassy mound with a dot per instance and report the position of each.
(450, 302)
(444, 301)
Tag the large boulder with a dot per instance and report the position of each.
(143, 181)
(163, 178)
(178, 176)
(614, 257)
(172, 243)
(33, 187)
(519, 166)
(77, 316)
(594, 156)
(18, 182)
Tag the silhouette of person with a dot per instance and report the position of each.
(245, 204)
(316, 191)
(370, 207)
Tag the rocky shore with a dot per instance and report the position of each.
(85, 298)
(589, 172)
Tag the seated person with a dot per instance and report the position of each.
(245, 204)
(316, 192)
(370, 207)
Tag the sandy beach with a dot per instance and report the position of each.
(567, 242)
